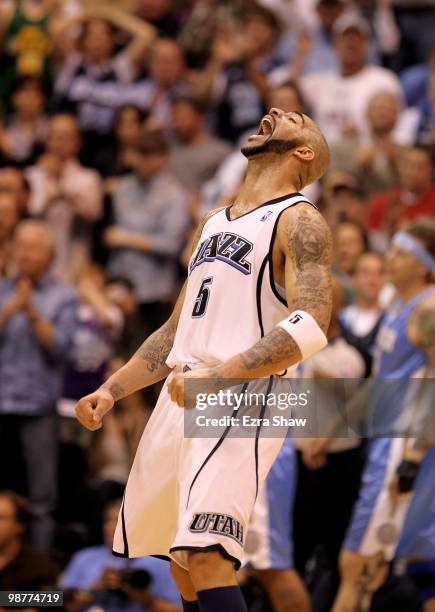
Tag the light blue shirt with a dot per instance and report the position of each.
(159, 210)
(87, 565)
(31, 376)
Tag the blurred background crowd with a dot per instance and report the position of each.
(120, 126)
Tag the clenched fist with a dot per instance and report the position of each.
(176, 387)
(91, 409)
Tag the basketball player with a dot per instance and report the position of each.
(268, 254)
(376, 524)
(416, 473)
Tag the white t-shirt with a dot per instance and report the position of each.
(360, 320)
(339, 102)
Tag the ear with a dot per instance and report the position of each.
(304, 153)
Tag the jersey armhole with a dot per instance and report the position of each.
(272, 242)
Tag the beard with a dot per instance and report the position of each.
(272, 145)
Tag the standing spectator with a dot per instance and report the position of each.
(99, 325)
(360, 321)
(112, 161)
(316, 47)
(375, 161)
(328, 483)
(26, 129)
(416, 20)
(12, 179)
(88, 82)
(350, 241)
(9, 217)
(383, 23)
(66, 194)
(25, 30)
(342, 107)
(205, 20)
(426, 116)
(344, 199)
(150, 219)
(235, 78)
(415, 80)
(37, 317)
(197, 155)
(166, 78)
(161, 15)
(413, 197)
(22, 567)
(120, 291)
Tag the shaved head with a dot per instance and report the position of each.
(313, 138)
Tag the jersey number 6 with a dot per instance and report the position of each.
(201, 300)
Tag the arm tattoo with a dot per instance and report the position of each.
(275, 347)
(116, 390)
(157, 347)
(310, 242)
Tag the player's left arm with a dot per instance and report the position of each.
(304, 243)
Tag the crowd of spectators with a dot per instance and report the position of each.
(120, 126)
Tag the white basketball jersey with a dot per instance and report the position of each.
(231, 299)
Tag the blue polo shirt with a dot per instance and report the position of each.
(30, 375)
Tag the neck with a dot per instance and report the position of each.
(66, 159)
(9, 552)
(197, 137)
(366, 303)
(411, 289)
(98, 62)
(27, 119)
(348, 70)
(264, 182)
(382, 134)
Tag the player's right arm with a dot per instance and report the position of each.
(146, 367)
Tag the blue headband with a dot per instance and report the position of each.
(411, 245)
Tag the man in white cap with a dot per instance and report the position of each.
(340, 99)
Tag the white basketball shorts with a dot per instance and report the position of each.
(188, 494)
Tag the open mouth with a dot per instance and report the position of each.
(267, 126)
